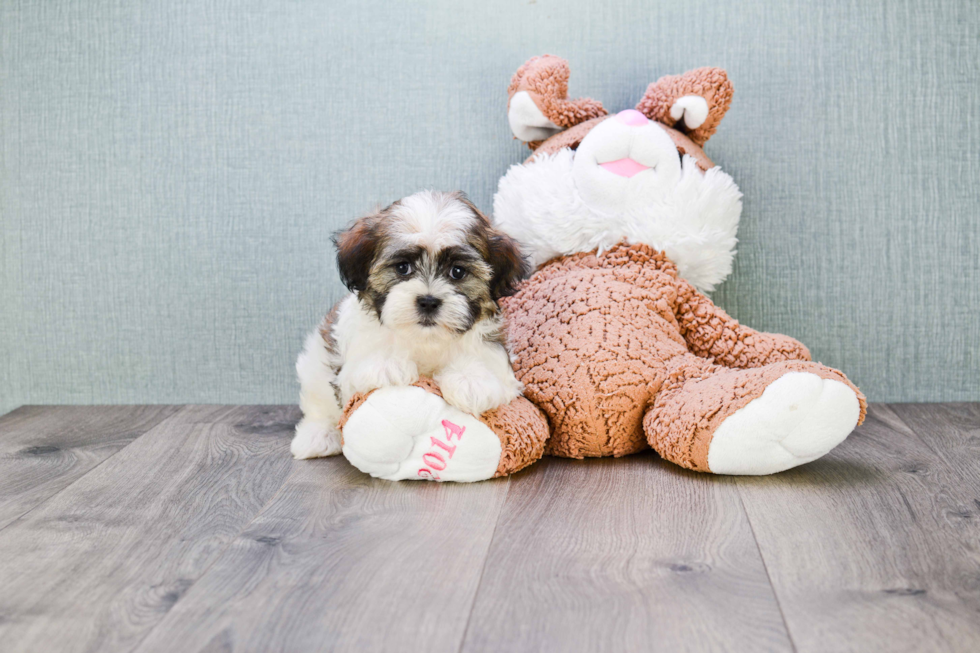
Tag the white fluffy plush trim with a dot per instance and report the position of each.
(694, 224)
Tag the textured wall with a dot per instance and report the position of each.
(170, 172)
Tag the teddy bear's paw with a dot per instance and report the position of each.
(403, 433)
(798, 418)
(315, 440)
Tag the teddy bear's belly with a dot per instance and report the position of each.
(591, 351)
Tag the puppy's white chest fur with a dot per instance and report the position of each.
(473, 372)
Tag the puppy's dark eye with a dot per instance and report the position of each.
(403, 269)
(457, 272)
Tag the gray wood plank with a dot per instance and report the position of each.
(101, 563)
(44, 449)
(874, 547)
(629, 554)
(343, 562)
(953, 432)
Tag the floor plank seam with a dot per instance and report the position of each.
(765, 566)
(483, 569)
(99, 464)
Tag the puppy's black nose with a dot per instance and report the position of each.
(428, 304)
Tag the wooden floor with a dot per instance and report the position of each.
(158, 528)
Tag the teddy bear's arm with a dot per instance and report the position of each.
(680, 100)
(713, 334)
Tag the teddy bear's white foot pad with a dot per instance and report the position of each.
(402, 433)
(798, 418)
(315, 440)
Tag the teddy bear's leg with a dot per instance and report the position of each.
(410, 432)
(751, 421)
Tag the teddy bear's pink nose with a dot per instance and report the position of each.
(632, 117)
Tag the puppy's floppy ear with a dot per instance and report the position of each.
(502, 252)
(356, 248)
(509, 265)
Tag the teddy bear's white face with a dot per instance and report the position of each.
(625, 163)
(626, 181)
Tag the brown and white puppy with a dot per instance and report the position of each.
(425, 275)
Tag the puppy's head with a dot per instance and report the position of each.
(429, 261)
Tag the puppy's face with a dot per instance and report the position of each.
(429, 261)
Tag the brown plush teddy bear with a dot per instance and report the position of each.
(627, 221)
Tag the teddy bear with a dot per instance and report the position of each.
(627, 223)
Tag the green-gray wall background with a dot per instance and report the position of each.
(170, 172)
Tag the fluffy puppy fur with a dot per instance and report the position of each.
(425, 275)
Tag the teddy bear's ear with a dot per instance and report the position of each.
(537, 101)
(693, 103)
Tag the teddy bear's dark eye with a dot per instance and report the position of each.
(403, 268)
(457, 272)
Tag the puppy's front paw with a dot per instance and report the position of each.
(315, 440)
(377, 372)
(476, 389)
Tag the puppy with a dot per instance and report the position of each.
(425, 275)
